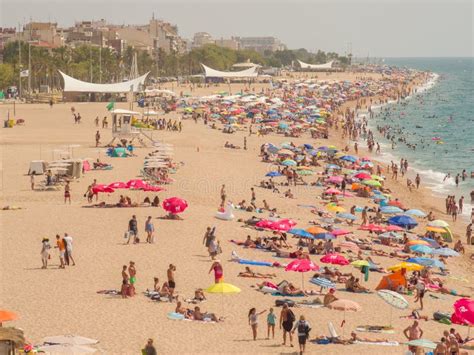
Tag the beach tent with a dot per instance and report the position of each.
(212, 73)
(38, 166)
(117, 153)
(325, 66)
(74, 85)
(392, 281)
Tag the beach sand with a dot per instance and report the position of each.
(54, 301)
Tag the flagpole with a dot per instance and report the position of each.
(29, 68)
(19, 60)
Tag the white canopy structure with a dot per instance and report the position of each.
(247, 73)
(325, 66)
(74, 85)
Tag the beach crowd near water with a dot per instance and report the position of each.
(264, 219)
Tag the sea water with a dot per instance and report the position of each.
(439, 120)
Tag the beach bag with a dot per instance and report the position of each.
(291, 316)
(126, 235)
(303, 328)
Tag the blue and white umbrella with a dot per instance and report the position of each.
(416, 213)
(427, 262)
(348, 216)
(324, 283)
(445, 252)
(422, 249)
(350, 158)
(390, 210)
(325, 236)
(301, 233)
(273, 174)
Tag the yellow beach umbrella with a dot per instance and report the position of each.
(335, 208)
(222, 287)
(436, 229)
(418, 242)
(316, 230)
(406, 266)
(360, 263)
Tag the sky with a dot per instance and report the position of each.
(378, 28)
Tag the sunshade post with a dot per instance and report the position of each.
(302, 281)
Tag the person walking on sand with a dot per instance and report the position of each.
(149, 229)
(45, 248)
(68, 242)
(62, 250)
(287, 317)
(271, 322)
(171, 281)
(97, 138)
(132, 271)
(149, 348)
(218, 271)
(253, 321)
(125, 282)
(67, 193)
(303, 328)
(364, 216)
(223, 196)
(417, 180)
(413, 332)
(133, 230)
(32, 180)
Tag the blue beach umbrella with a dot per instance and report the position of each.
(288, 162)
(433, 243)
(416, 213)
(324, 283)
(350, 158)
(333, 166)
(445, 252)
(403, 221)
(301, 233)
(427, 262)
(308, 146)
(273, 174)
(391, 210)
(422, 249)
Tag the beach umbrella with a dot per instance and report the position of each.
(403, 221)
(335, 208)
(332, 191)
(416, 213)
(427, 262)
(394, 299)
(335, 179)
(372, 183)
(65, 349)
(363, 176)
(264, 223)
(432, 243)
(285, 152)
(302, 265)
(438, 223)
(349, 245)
(445, 252)
(350, 158)
(325, 236)
(273, 174)
(345, 306)
(436, 229)
(288, 162)
(136, 184)
(301, 233)
(118, 185)
(390, 235)
(69, 339)
(304, 172)
(152, 188)
(418, 242)
(316, 230)
(7, 316)
(393, 228)
(406, 266)
(372, 228)
(391, 210)
(422, 249)
(464, 309)
(324, 283)
(348, 216)
(174, 205)
(422, 343)
(335, 259)
(223, 288)
(102, 188)
(333, 167)
(282, 226)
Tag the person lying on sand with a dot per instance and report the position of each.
(291, 290)
(355, 337)
(298, 254)
(231, 146)
(415, 315)
(448, 291)
(249, 273)
(198, 315)
(335, 273)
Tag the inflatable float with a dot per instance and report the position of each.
(227, 214)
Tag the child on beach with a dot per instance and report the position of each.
(271, 321)
(253, 321)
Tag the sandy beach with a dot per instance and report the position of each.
(56, 301)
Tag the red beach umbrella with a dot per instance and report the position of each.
(174, 205)
(335, 259)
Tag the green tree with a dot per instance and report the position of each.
(6, 75)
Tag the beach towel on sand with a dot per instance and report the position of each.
(383, 343)
(179, 316)
(375, 329)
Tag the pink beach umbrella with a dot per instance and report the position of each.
(152, 188)
(464, 309)
(335, 259)
(363, 176)
(174, 205)
(136, 184)
(302, 265)
(264, 223)
(281, 226)
(338, 232)
(349, 245)
(102, 188)
(335, 179)
(288, 221)
(333, 191)
(393, 228)
(118, 185)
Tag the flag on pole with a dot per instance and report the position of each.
(24, 73)
(110, 106)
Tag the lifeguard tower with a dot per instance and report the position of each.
(122, 127)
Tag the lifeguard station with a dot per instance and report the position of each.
(122, 127)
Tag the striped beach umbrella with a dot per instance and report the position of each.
(324, 283)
